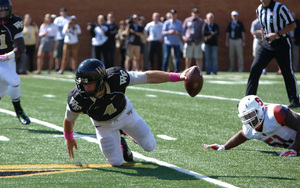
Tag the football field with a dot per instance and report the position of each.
(35, 155)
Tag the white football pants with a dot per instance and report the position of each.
(9, 80)
(108, 134)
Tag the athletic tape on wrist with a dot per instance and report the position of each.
(174, 77)
(69, 136)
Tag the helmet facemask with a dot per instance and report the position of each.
(251, 111)
(81, 81)
(251, 118)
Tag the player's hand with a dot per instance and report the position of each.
(290, 153)
(70, 145)
(4, 57)
(183, 74)
(215, 147)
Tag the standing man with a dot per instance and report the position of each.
(12, 46)
(155, 38)
(172, 31)
(100, 93)
(235, 41)
(255, 31)
(111, 41)
(295, 37)
(60, 22)
(276, 21)
(192, 29)
(134, 33)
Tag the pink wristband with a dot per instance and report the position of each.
(174, 77)
(69, 136)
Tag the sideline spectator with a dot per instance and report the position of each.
(172, 31)
(142, 23)
(192, 29)
(31, 36)
(71, 44)
(60, 22)
(48, 42)
(211, 32)
(111, 41)
(134, 32)
(99, 40)
(122, 41)
(235, 41)
(155, 38)
(255, 30)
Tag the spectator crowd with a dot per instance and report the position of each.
(159, 44)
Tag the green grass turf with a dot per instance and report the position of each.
(193, 121)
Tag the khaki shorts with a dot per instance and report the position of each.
(133, 51)
(192, 51)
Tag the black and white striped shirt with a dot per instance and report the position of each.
(274, 18)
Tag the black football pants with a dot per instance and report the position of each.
(279, 49)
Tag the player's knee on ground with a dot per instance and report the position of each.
(110, 151)
(149, 143)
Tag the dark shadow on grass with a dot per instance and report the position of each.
(54, 132)
(155, 170)
(273, 153)
(256, 177)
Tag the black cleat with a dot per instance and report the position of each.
(127, 154)
(24, 119)
(294, 105)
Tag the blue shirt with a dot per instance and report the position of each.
(172, 39)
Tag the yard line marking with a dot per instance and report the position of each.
(165, 137)
(137, 155)
(4, 138)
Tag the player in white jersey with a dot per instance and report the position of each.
(276, 125)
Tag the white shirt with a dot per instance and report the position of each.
(60, 22)
(155, 31)
(273, 133)
(50, 29)
(71, 34)
(100, 37)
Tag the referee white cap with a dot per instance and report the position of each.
(234, 13)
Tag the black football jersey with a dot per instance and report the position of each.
(7, 33)
(111, 104)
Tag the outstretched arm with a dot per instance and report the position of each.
(293, 121)
(234, 141)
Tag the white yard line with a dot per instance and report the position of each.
(135, 154)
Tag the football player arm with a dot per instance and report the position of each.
(19, 47)
(234, 141)
(68, 124)
(16, 52)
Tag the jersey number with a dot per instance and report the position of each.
(277, 141)
(110, 109)
(2, 42)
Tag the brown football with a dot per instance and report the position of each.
(194, 82)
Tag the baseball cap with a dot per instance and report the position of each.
(63, 10)
(234, 13)
(173, 11)
(195, 10)
(73, 17)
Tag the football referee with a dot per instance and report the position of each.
(276, 21)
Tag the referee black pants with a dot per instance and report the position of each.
(279, 49)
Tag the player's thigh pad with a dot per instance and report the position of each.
(111, 149)
(8, 73)
(142, 134)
